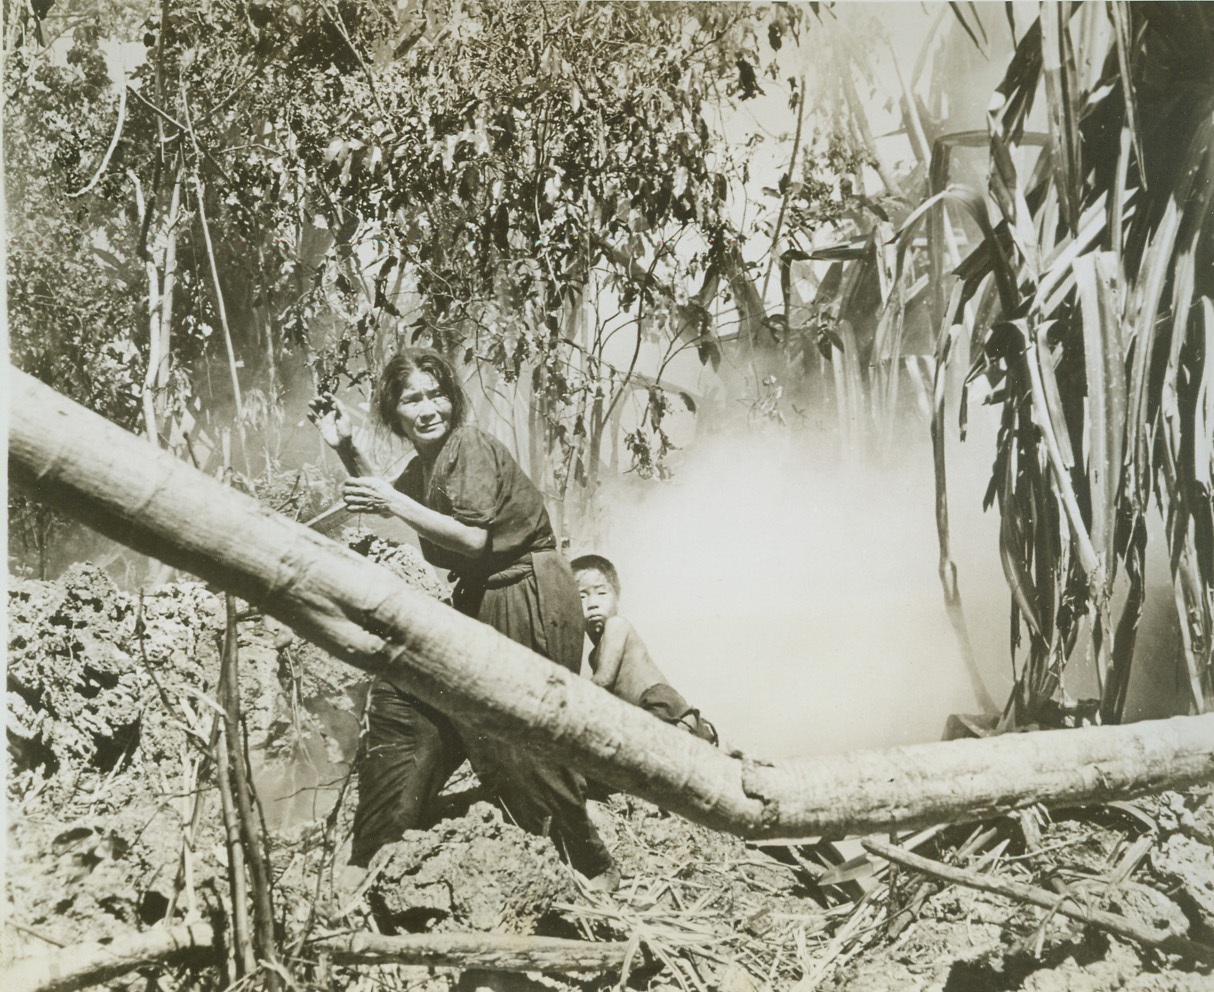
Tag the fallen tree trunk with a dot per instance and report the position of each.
(83, 965)
(119, 485)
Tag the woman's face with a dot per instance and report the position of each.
(424, 412)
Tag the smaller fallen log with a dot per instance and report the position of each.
(83, 965)
(479, 951)
(1067, 905)
(86, 964)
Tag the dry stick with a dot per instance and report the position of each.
(221, 309)
(242, 941)
(251, 838)
(185, 869)
(1165, 940)
(482, 952)
(109, 152)
(82, 965)
(219, 304)
(792, 168)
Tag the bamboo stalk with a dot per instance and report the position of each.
(1067, 905)
(109, 151)
(219, 304)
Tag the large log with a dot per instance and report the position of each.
(145, 498)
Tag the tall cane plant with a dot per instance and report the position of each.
(1088, 308)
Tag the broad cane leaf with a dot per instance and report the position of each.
(975, 205)
(1057, 280)
(1119, 11)
(1113, 699)
(1006, 189)
(976, 29)
(1062, 95)
(1106, 390)
(1203, 425)
(1053, 396)
(1014, 96)
(946, 339)
(1017, 574)
(1047, 411)
(1148, 290)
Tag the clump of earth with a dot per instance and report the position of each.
(474, 872)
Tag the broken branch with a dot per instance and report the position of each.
(483, 952)
(1165, 940)
(83, 965)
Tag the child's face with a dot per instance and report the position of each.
(599, 601)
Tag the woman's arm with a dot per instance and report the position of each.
(331, 419)
(371, 494)
(356, 463)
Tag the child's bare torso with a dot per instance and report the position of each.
(637, 670)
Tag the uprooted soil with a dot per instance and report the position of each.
(115, 827)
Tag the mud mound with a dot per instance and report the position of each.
(99, 687)
(111, 792)
(403, 559)
(83, 663)
(472, 873)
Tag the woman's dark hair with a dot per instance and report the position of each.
(396, 374)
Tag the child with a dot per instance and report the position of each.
(620, 661)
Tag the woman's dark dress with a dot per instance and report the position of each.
(524, 588)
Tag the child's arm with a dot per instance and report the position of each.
(609, 654)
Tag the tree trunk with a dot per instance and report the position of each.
(90, 964)
(357, 610)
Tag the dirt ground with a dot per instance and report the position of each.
(115, 827)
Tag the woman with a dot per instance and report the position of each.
(477, 515)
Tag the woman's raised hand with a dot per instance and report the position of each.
(368, 494)
(331, 419)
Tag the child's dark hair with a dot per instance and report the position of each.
(396, 374)
(597, 563)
